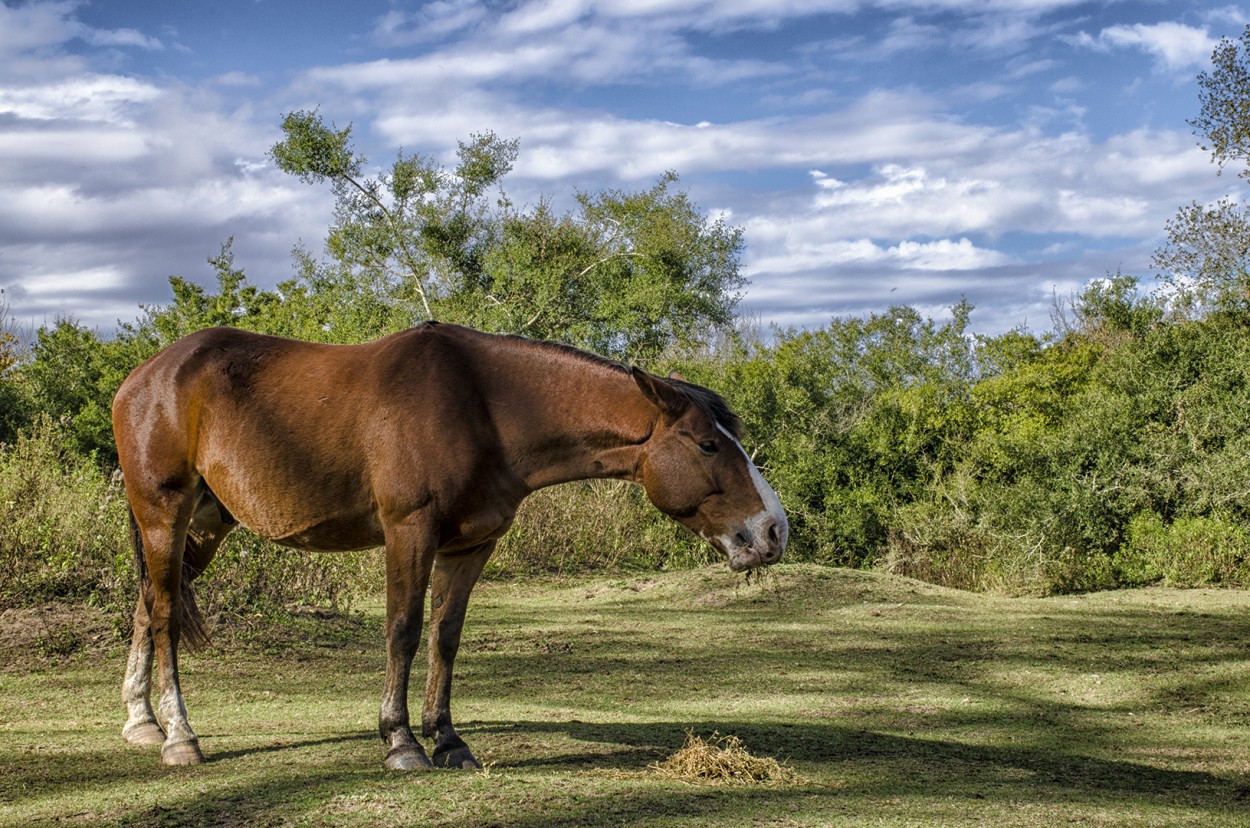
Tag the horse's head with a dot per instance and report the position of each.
(695, 471)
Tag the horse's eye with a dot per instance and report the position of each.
(709, 447)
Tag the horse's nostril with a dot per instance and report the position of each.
(772, 532)
(741, 539)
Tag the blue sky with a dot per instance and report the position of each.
(874, 153)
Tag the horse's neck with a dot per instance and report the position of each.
(569, 419)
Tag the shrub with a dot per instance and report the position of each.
(62, 524)
(1188, 552)
(593, 525)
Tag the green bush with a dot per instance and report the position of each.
(62, 524)
(593, 525)
(253, 577)
(1187, 552)
(1115, 451)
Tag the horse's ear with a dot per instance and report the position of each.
(676, 376)
(668, 399)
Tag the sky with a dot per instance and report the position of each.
(874, 152)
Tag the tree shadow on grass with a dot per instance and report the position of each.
(590, 774)
(901, 767)
(288, 745)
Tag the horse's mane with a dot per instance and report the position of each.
(712, 404)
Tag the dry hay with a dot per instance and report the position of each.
(724, 759)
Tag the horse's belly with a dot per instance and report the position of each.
(327, 518)
(335, 533)
(466, 533)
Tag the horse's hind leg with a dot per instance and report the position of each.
(453, 580)
(173, 554)
(141, 727)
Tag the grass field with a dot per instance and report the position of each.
(898, 704)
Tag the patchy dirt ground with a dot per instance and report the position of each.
(35, 634)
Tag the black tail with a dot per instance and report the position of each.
(193, 634)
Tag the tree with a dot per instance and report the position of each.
(8, 343)
(1207, 255)
(71, 377)
(626, 273)
(236, 303)
(417, 224)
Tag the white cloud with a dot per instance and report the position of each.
(76, 147)
(945, 255)
(92, 280)
(34, 26)
(1174, 45)
(86, 97)
(122, 37)
(791, 251)
(434, 20)
(1228, 15)
(582, 54)
(26, 29)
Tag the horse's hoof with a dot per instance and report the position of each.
(459, 757)
(408, 757)
(144, 733)
(182, 753)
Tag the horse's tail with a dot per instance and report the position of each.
(136, 546)
(194, 635)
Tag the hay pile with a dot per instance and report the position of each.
(724, 759)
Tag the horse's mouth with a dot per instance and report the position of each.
(745, 558)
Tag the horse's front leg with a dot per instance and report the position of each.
(454, 577)
(409, 556)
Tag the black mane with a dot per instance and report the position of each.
(712, 405)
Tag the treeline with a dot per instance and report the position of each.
(1109, 451)
(1112, 451)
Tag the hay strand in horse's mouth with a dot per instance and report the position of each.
(758, 575)
(724, 759)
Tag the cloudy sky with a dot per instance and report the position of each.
(875, 152)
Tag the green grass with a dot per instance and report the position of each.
(899, 703)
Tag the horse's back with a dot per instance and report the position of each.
(291, 436)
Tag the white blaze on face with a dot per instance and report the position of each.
(756, 526)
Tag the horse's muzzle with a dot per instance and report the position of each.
(761, 542)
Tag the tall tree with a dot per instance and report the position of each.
(625, 273)
(417, 225)
(1207, 254)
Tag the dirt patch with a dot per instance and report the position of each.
(51, 631)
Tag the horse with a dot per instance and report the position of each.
(424, 442)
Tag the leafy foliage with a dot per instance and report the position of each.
(626, 274)
(1207, 255)
(13, 413)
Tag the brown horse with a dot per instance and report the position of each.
(426, 442)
